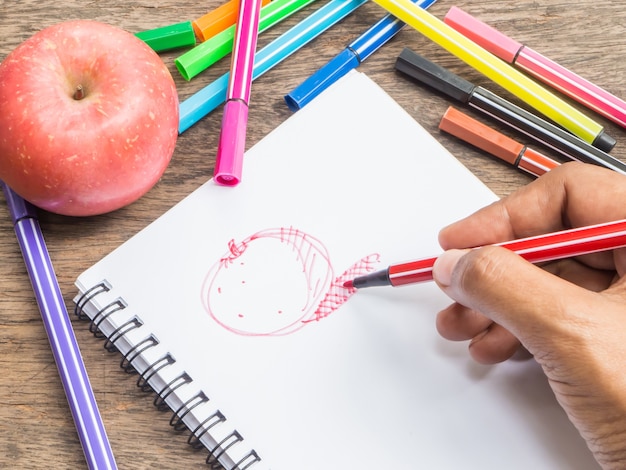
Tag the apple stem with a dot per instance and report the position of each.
(79, 94)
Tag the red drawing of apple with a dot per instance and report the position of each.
(268, 284)
(88, 118)
(275, 282)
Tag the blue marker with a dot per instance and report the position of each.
(210, 97)
(350, 58)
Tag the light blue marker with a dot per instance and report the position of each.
(211, 96)
(350, 58)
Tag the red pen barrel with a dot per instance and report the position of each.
(411, 272)
(569, 243)
(538, 249)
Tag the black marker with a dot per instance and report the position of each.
(421, 69)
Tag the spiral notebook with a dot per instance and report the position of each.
(231, 308)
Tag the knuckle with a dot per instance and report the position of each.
(482, 266)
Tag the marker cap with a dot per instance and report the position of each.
(320, 80)
(482, 34)
(425, 71)
(495, 143)
(604, 142)
(205, 54)
(484, 137)
(20, 209)
(169, 37)
(201, 103)
(216, 20)
(232, 144)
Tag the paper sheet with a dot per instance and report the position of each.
(240, 285)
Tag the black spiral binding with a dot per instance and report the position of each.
(171, 387)
(177, 419)
(120, 331)
(94, 325)
(152, 370)
(104, 286)
(194, 440)
(135, 351)
(225, 444)
(248, 461)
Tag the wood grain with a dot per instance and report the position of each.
(37, 430)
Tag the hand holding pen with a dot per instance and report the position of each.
(538, 249)
(568, 315)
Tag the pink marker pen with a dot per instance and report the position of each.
(232, 142)
(540, 67)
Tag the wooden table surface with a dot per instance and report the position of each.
(36, 429)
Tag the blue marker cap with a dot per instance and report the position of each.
(320, 80)
(350, 58)
(202, 103)
(379, 34)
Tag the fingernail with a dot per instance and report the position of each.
(444, 266)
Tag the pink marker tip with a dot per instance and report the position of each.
(348, 284)
(232, 144)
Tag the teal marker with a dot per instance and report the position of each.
(201, 57)
(211, 96)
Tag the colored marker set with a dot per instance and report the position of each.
(586, 142)
(233, 27)
(539, 66)
(575, 137)
(557, 124)
(507, 113)
(236, 92)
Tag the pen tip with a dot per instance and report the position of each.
(348, 284)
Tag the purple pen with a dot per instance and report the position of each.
(232, 142)
(57, 323)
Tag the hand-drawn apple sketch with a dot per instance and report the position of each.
(275, 282)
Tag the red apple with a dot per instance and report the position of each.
(88, 118)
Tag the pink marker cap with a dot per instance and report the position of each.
(482, 34)
(232, 144)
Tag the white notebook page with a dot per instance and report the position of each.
(242, 285)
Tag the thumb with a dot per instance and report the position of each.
(512, 292)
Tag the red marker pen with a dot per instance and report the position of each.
(538, 249)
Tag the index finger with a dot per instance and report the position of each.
(571, 195)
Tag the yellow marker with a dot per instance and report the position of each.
(500, 72)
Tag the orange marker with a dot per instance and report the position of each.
(218, 20)
(493, 142)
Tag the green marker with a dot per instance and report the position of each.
(204, 55)
(169, 37)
